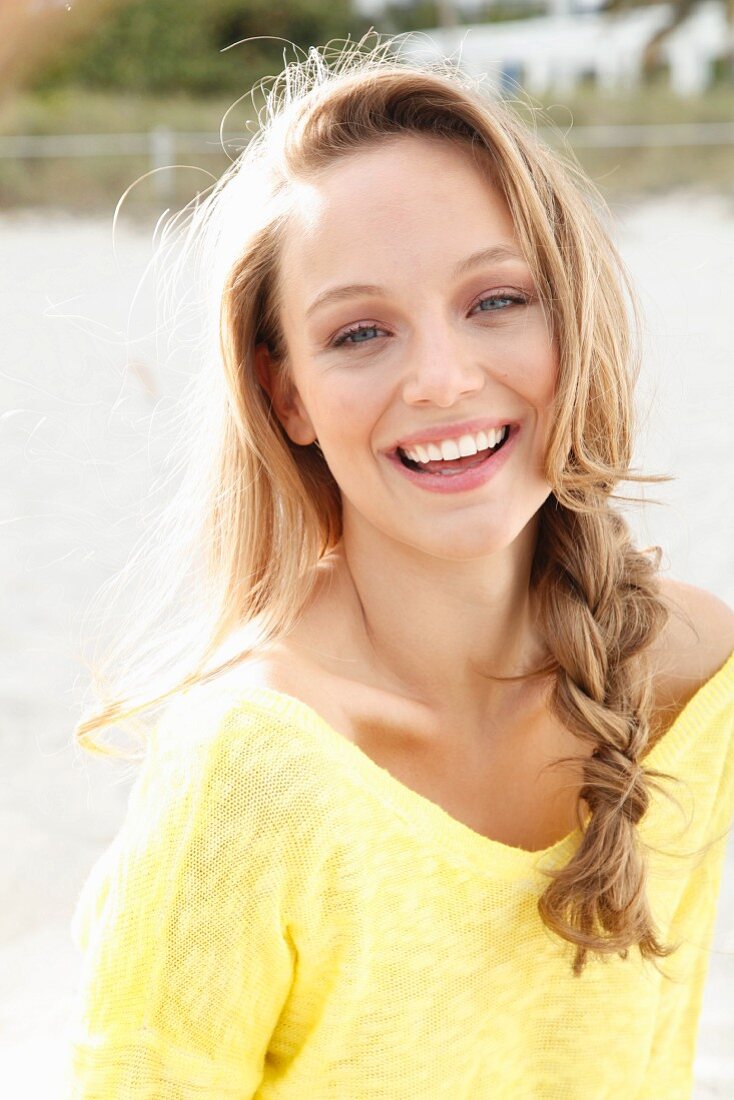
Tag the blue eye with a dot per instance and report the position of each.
(356, 331)
(512, 298)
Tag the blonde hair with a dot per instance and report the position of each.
(255, 512)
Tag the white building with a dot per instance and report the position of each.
(557, 51)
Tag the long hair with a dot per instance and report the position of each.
(238, 546)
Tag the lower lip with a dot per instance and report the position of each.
(470, 478)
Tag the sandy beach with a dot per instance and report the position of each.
(83, 386)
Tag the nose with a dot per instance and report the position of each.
(440, 370)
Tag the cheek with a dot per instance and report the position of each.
(546, 383)
(541, 373)
(546, 387)
(533, 378)
(525, 360)
(352, 409)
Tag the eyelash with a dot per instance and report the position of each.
(342, 339)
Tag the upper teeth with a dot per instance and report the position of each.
(456, 448)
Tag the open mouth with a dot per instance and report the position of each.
(447, 466)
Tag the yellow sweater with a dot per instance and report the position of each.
(281, 918)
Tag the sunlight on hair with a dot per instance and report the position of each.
(229, 562)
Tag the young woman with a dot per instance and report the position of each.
(452, 767)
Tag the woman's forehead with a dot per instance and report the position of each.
(393, 206)
(402, 163)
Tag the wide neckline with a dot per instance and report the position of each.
(488, 856)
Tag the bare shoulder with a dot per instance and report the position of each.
(696, 641)
(243, 667)
(276, 666)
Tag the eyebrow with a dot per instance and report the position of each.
(496, 254)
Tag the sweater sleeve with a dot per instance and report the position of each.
(670, 1069)
(187, 956)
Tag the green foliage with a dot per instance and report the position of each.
(423, 14)
(399, 18)
(165, 46)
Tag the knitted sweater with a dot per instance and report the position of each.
(280, 917)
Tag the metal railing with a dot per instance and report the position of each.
(161, 145)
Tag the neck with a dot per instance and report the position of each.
(437, 628)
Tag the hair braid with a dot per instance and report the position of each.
(256, 511)
(600, 611)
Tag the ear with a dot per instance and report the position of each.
(285, 398)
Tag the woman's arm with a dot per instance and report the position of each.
(186, 959)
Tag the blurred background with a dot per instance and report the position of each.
(100, 95)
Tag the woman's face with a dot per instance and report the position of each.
(393, 333)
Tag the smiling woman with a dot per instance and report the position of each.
(406, 812)
(430, 358)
